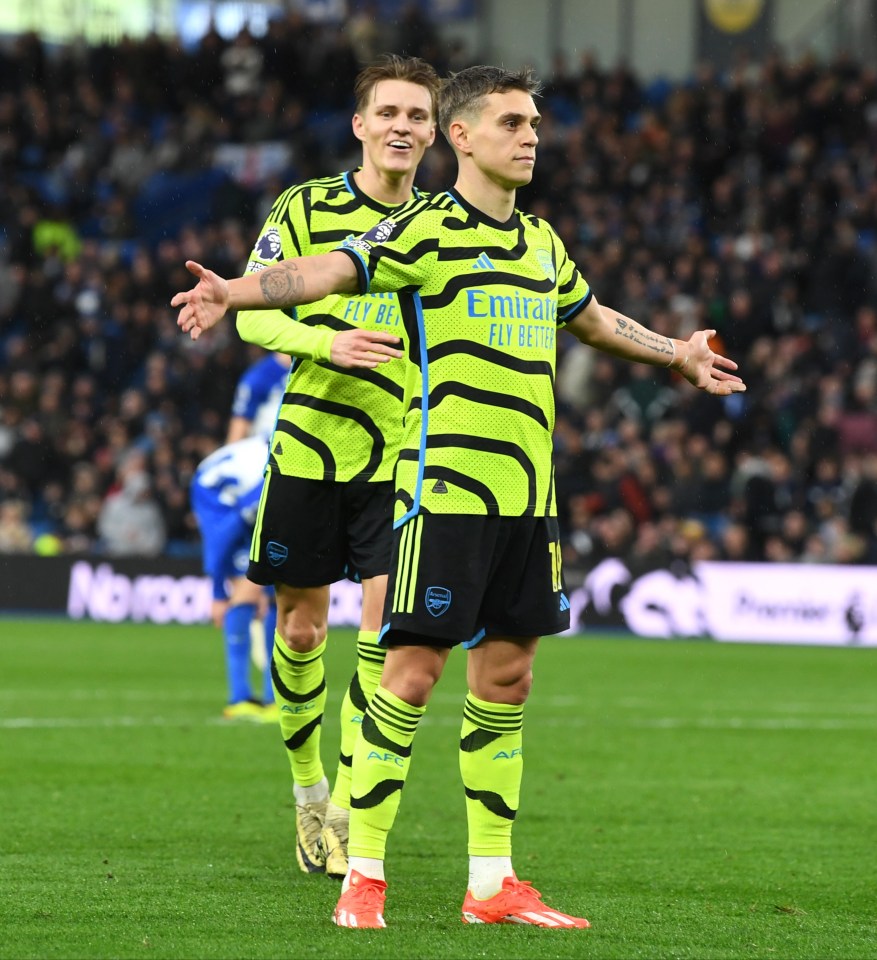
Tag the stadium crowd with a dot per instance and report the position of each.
(744, 201)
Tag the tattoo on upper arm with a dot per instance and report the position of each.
(282, 285)
(645, 338)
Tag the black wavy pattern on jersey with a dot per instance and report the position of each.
(300, 737)
(465, 482)
(310, 441)
(327, 186)
(371, 734)
(303, 191)
(330, 205)
(280, 212)
(429, 245)
(306, 203)
(549, 499)
(570, 284)
(472, 252)
(291, 696)
(467, 442)
(296, 240)
(376, 379)
(327, 320)
(352, 205)
(406, 214)
(403, 496)
(350, 413)
(490, 398)
(345, 759)
(483, 352)
(281, 204)
(494, 803)
(488, 278)
(378, 794)
(442, 201)
(477, 740)
(502, 448)
(408, 309)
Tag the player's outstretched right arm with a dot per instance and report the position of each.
(289, 284)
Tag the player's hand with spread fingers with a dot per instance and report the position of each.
(705, 369)
(205, 304)
(364, 348)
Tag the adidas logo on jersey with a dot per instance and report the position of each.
(483, 263)
(440, 487)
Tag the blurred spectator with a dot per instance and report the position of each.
(363, 30)
(15, 533)
(242, 66)
(744, 202)
(130, 521)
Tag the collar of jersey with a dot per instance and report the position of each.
(364, 198)
(513, 222)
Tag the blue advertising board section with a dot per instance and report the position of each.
(727, 602)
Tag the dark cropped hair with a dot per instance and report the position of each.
(393, 67)
(463, 93)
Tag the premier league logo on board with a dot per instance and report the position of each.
(438, 600)
(268, 245)
(276, 553)
(546, 261)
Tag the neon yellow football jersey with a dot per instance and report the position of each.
(482, 302)
(334, 424)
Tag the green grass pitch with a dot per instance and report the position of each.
(691, 799)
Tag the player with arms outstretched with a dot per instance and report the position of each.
(476, 558)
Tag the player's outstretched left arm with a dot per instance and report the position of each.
(291, 283)
(703, 368)
(611, 331)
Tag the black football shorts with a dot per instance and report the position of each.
(310, 533)
(457, 578)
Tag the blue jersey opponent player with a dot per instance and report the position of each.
(222, 495)
(484, 290)
(257, 398)
(327, 503)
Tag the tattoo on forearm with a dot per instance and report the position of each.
(644, 338)
(282, 285)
